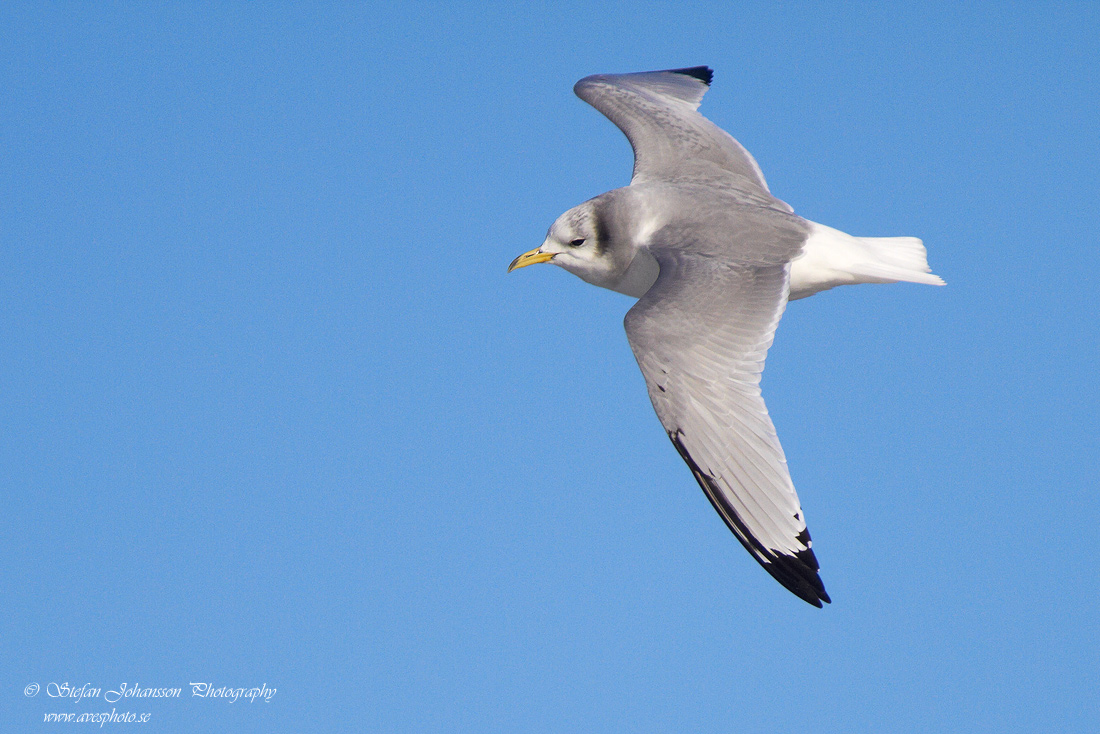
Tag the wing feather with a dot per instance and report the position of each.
(657, 111)
(700, 336)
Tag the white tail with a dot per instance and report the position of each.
(831, 258)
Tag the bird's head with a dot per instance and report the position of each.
(579, 241)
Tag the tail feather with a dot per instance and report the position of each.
(897, 258)
(831, 258)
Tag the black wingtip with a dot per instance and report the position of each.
(702, 73)
(797, 572)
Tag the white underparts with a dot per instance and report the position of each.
(831, 258)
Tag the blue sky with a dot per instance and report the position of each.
(274, 414)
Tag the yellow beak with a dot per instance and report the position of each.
(531, 257)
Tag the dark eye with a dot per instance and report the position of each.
(577, 243)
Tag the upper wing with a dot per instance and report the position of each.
(700, 336)
(671, 140)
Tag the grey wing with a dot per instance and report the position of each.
(700, 336)
(657, 110)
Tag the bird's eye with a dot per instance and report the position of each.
(577, 242)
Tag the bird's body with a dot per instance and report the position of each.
(713, 258)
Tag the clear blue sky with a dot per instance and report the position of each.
(272, 412)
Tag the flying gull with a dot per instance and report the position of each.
(713, 258)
